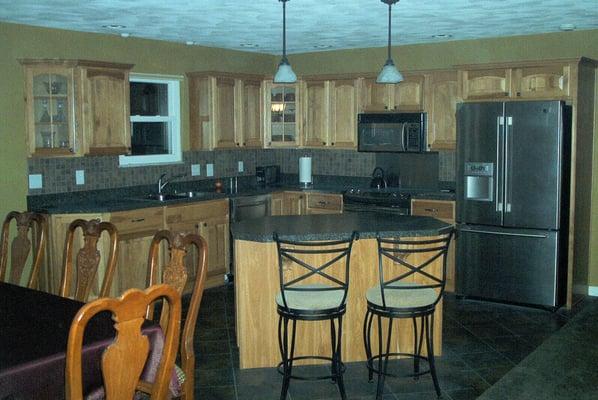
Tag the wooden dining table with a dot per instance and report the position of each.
(34, 329)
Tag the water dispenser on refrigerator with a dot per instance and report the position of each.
(479, 181)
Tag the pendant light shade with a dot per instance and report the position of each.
(285, 73)
(389, 73)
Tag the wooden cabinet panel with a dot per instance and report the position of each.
(445, 211)
(224, 111)
(343, 113)
(486, 83)
(277, 205)
(293, 203)
(138, 221)
(409, 94)
(283, 111)
(251, 118)
(374, 97)
(319, 203)
(131, 267)
(542, 82)
(315, 129)
(106, 105)
(441, 107)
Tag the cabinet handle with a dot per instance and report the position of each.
(138, 220)
(243, 144)
(322, 202)
(237, 143)
(71, 150)
(332, 144)
(196, 226)
(324, 143)
(386, 107)
(205, 224)
(434, 210)
(518, 94)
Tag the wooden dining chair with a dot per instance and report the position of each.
(88, 259)
(124, 360)
(27, 224)
(175, 272)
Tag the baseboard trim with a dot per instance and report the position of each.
(593, 291)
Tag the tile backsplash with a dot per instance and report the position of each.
(103, 172)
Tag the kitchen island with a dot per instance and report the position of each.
(257, 281)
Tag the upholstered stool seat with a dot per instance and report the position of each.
(416, 297)
(317, 297)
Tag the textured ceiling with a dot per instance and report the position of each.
(312, 25)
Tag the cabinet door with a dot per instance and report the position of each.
(251, 115)
(542, 82)
(224, 111)
(318, 203)
(106, 111)
(50, 110)
(486, 83)
(441, 107)
(316, 106)
(216, 233)
(343, 113)
(277, 206)
(294, 203)
(374, 96)
(282, 114)
(200, 104)
(408, 95)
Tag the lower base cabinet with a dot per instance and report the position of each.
(305, 203)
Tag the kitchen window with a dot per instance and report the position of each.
(155, 120)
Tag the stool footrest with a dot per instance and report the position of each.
(311, 378)
(370, 365)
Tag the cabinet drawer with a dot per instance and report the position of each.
(196, 212)
(440, 209)
(325, 201)
(132, 221)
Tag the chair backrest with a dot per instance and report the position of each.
(175, 273)
(88, 259)
(413, 261)
(123, 361)
(21, 246)
(316, 260)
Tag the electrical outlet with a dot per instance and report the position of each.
(195, 169)
(80, 177)
(209, 169)
(241, 167)
(35, 181)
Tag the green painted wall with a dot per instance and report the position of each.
(150, 56)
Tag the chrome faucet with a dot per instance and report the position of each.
(162, 182)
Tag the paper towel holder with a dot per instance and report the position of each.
(305, 175)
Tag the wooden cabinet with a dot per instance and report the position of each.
(211, 220)
(405, 96)
(547, 81)
(486, 83)
(225, 110)
(136, 229)
(282, 114)
(293, 203)
(77, 107)
(445, 211)
(316, 108)
(277, 204)
(344, 106)
(441, 94)
(321, 203)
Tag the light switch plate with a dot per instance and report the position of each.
(35, 181)
(209, 169)
(195, 170)
(241, 167)
(80, 177)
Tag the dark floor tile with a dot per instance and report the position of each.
(214, 377)
(492, 375)
(210, 334)
(258, 376)
(212, 322)
(315, 390)
(213, 361)
(483, 360)
(212, 347)
(464, 394)
(252, 392)
(488, 330)
(464, 342)
(216, 393)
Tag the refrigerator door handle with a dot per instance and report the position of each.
(498, 194)
(529, 235)
(508, 140)
(403, 133)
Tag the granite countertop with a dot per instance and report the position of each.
(336, 226)
(122, 199)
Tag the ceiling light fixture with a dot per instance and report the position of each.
(285, 73)
(389, 73)
(114, 26)
(567, 27)
(442, 36)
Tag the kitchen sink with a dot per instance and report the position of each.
(163, 197)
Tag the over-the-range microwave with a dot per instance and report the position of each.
(392, 132)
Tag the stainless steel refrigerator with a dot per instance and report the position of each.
(512, 187)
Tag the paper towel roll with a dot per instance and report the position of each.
(305, 170)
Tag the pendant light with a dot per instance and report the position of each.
(285, 73)
(389, 73)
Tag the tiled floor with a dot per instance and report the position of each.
(481, 342)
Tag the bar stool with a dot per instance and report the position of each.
(411, 292)
(312, 293)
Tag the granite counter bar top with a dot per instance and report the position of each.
(336, 226)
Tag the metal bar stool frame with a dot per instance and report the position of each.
(335, 314)
(392, 249)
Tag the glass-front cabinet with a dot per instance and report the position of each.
(50, 106)
(282, 111)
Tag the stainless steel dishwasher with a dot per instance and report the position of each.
(243, 208)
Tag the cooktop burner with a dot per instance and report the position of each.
(377, 197)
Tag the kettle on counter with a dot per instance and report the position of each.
(378, 180)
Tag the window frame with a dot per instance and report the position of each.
(173, 119)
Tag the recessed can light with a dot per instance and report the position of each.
(249, 45)
(442, 36)
(114, 26)
(567, 27)
(322, 46)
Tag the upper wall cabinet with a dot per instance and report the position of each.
(76, 107)
(316, 124)
(405, 96)
(225, 110)
(487, 83)
(282, 114)
(441, 106)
